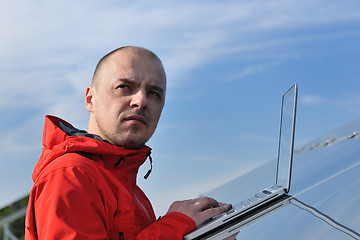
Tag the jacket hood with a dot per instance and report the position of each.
(57, 142)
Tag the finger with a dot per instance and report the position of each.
(211, 212)
(225, 204)
(218, 210)
(206, 202)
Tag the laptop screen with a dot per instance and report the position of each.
(286, 140)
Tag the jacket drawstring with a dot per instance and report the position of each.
(150, 159)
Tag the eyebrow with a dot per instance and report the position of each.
(157, 88)
(131, 81)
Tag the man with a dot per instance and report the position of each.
(85, 182)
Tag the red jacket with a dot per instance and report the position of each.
(86, 189)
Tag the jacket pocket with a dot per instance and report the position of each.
(125, 231)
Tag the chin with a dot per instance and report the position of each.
(132, 144)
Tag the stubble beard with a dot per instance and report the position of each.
(121, 138)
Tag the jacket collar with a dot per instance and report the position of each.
(60, 137)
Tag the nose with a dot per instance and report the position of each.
(139, 100)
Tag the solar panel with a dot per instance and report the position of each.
(325, 193)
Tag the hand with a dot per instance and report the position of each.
(199, 209)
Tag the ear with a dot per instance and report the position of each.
(90, 90)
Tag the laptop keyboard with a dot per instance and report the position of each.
(257, 197)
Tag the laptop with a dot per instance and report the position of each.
(232, 230)
(283, 172)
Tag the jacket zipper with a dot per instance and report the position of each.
(142, 206)
(139, 203)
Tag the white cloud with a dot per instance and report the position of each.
(311, 100)
(22, 141)
(187, 34)
(253, 69)
(348, 101)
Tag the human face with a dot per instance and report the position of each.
(127, 100)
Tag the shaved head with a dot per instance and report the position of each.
(140, 51)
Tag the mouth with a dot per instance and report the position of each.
(137, 119)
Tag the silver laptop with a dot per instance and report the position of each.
(283, 172)
(232, 230)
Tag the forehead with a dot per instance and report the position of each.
(134, 66)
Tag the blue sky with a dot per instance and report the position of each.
(228, 64)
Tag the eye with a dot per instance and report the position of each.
(123, 86)
(155, 94)
(123, 89)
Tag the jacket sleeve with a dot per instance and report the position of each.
(172, 226)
